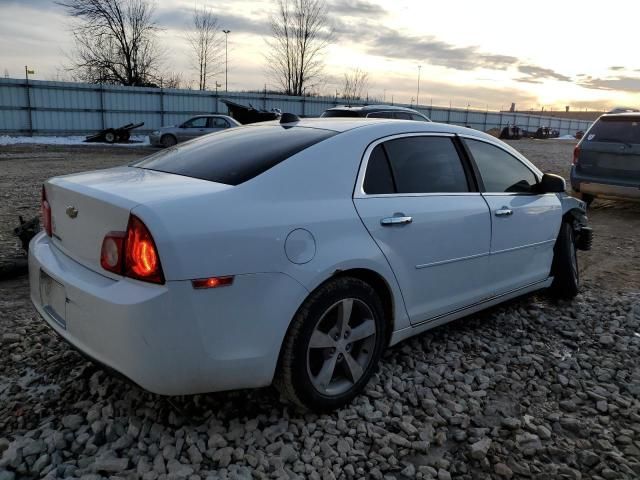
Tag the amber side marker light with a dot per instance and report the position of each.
(211, 282)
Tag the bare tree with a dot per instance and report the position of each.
(300, 34)
(115, 41)
(355, 83)
(206, 45)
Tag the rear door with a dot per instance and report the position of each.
(193, 128)
(217, 124)
(419, 202)
(524, 223)
(611, 149)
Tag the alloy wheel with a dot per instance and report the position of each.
(341, 346)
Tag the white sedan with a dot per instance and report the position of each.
(294, 253)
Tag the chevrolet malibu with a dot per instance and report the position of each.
(294, 253)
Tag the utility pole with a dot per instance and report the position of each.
(226, 59)
(418, 94)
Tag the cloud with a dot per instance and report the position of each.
(621, 83)
(357, 8)
(385, 42)
(182, 19)
(616, 68)
(535, 74)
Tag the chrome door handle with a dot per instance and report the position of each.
(504, 212)
(396, 220)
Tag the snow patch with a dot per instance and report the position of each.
(135, 141)
(566, 137)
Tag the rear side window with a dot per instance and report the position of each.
(341, 113)
(380, 115)
(418, 118)
(500, 171)
(236, 155)
(416, 165)
(402, 115)
(616, 129)
(378, 179)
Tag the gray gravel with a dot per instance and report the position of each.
(531, 389)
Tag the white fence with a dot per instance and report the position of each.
(61, 108)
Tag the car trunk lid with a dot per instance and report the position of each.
(85, 207)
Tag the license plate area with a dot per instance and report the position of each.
(53, 298)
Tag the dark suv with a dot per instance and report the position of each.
(606, 162)
(375, 111)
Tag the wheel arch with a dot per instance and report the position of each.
(367, 275)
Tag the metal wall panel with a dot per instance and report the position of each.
(74, 108)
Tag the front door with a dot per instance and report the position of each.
(417, 201)
(525, 223)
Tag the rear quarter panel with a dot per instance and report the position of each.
(242, 230)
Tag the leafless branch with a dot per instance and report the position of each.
(206, 44)
(355, 83)
(115, 41)
(300, 34)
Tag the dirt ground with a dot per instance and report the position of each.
(534, 388)
(613, 264)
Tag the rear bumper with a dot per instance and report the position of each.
(169, 339)
(600, 187)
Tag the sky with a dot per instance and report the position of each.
(480, 54)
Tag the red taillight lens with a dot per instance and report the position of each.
(112, 252)
(576, 154)
(141, 256)
(45, 211)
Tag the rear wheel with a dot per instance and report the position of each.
(333, 345)
(110, 136)
(586, 198)
(168, 141)
(565, 271)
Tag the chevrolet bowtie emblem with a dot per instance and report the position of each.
(72, 212)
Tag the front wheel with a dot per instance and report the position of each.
(333, 345)
(565, 271)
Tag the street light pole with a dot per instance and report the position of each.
(418, 94)
(226, 59)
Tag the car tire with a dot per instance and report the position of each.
(110, 136)
(586, 198)
(317, 346)
(168, 141)
(565, 271)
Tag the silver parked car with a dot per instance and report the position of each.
(192, 128)
(606, 162)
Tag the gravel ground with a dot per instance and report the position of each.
(531, 389)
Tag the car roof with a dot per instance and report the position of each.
(621, 115)
(371, 108)
(344, 124)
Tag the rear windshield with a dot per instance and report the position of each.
(341, 113)
(618, 129)
(235, 155)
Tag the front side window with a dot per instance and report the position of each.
(419, 118)
(402, 116)
(501, 172)
(198, 122)
(415, 165)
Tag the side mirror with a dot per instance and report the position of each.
(551, 183)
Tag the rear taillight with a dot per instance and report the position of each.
(132, 253)
(45, 211)
(576, 154)
(141, 256)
